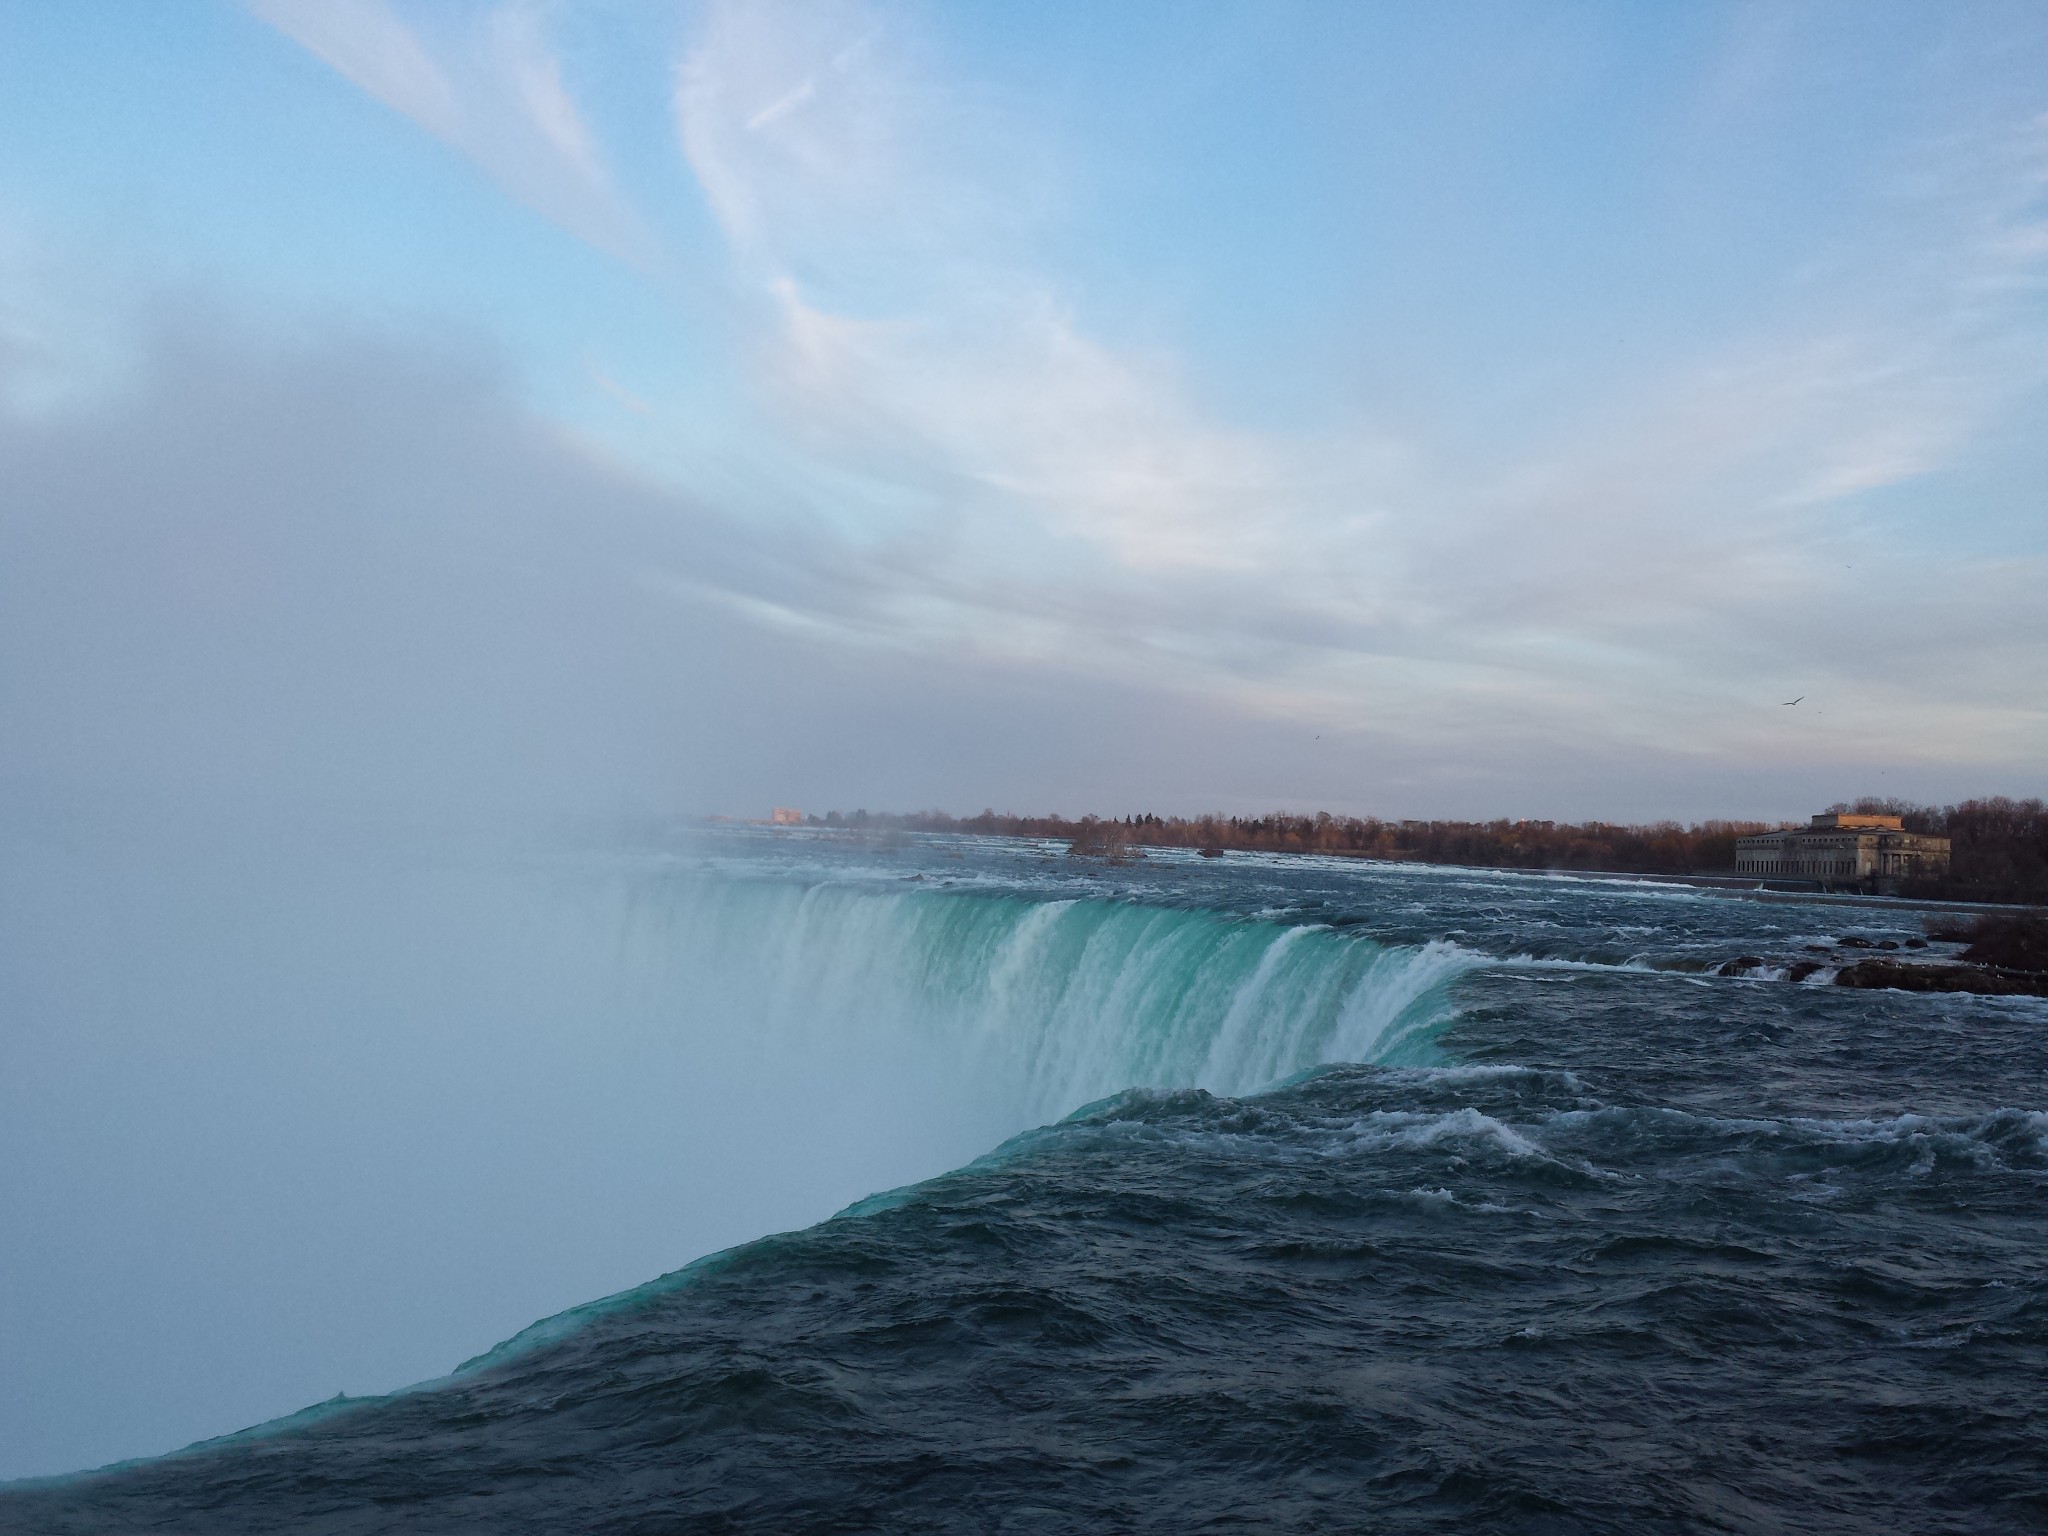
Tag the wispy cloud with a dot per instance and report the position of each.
(492, 90)
(905, 333)
(1019, 467)
(983, 471)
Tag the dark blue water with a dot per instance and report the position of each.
(1593, 1242)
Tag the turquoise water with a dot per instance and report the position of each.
(1287, 1195)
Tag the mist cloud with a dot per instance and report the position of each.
(356, 573)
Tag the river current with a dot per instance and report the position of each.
(1318, 1196)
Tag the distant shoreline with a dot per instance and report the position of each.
(2000, 846)
(1743, 887)
(1749, 889)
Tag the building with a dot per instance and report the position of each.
(783, 816)
(1842, 849)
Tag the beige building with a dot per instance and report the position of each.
(1843, 849)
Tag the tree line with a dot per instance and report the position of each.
(2000, 846)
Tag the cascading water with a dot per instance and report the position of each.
(426, 1097)
(1039, 1006)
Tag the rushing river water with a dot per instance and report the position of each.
(1317, 1196)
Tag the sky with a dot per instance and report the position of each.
(640, 407)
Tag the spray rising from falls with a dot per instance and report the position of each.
(432, 1093)
(1046, 1005)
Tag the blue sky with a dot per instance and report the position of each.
(1483, 409)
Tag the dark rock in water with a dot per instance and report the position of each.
(1880, 974)
(1741, 965)
(1854, 941)
(1801, 969)
(1916, 943)
(1212, 853)
(1900, 977)
(1887, 943)
(2018, 942)
(1115, 853)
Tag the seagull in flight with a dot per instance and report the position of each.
(1790, 702)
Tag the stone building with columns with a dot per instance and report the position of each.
(1840, 848)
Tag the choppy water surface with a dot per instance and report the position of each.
(1384, 1199)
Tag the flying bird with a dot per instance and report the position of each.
(1790, 702)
